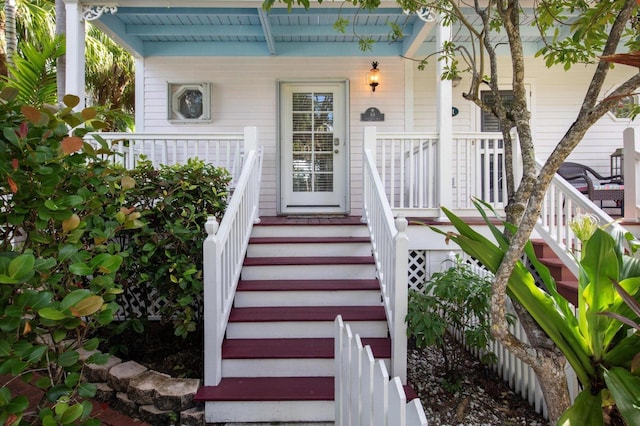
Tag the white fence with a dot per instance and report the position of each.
(224, 251)
(391, 252)
(364, 394)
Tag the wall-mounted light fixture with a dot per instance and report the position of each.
(374, 75)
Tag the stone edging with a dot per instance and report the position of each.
(151, 396)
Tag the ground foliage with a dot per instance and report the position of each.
(58, 258)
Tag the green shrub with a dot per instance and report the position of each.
(456, 300)
(164, 259)
(60, 208)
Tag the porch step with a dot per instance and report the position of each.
(306, 321)
(345, 226)
(304, 292)
(309, 268)
(270, 399)
(309, 246)
(566, 282)
(288, 357)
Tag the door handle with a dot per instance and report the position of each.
(336, 141)
(335, 151)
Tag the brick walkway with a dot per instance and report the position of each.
(101, 411)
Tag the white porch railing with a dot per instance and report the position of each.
(410, 172)
(224, 251)
(221, 149)
(364, 395)
(391, 253)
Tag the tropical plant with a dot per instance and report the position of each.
(455, 300)
(109, 72)
(163, 262)
(58, 256)
(599, 348)
(33, 73)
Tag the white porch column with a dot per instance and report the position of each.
(444, 124)
(74, 82)
(631, 137)
(139, 78)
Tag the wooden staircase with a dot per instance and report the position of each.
(566, 282)
(278, 362)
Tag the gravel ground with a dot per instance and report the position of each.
(483, 399)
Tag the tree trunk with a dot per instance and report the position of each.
(10, 30)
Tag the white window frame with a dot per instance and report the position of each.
(174, 93)
(612, 112)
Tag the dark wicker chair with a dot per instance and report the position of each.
(594, 185)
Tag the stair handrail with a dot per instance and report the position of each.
(563, 203)
(391, 252)
(223, 253)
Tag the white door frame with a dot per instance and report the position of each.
(338, 200)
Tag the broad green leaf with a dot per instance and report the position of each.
(59, 335)
(37, 353)
(80, 269)
(21, 268)
(5, 349)
(73, 298)
(17, 405)
(98, 358)
(625, 389)
(87, 390)
(5, 396)
(89, 306)
(57, 391)
(52, 314)
(68, 358)
(91, 344)
(585, 411)
(5, 279)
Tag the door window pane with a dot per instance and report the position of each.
(312, 142)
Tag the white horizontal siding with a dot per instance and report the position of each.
(244, 93)
(555, 99)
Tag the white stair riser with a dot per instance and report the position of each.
(309, 272)
(310, 249)
(310, 231)
(308, 329)
(269, 411)
(308, 367)
(245, 299)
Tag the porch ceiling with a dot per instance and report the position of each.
(242, 28)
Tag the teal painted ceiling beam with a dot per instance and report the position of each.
(317, 49)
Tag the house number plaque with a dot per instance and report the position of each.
(372, 114)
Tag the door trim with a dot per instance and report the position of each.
(313, 209)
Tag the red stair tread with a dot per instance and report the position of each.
(314, 260)
(306, 240)
(307, 313)
(307, 285)
(269, 389)
(295, 348)
(568, 290)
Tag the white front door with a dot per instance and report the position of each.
(313, 148)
